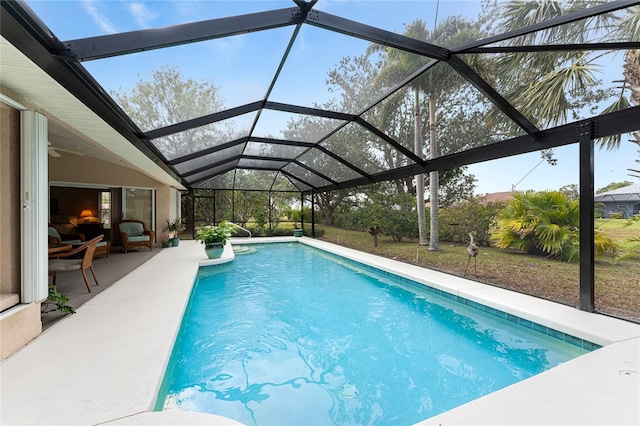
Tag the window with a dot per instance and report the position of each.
(105, 209)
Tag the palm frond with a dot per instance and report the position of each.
(603, 244)
(613, 142)
(547, 98)
(546, 220)
(628, 29)
(570, 253)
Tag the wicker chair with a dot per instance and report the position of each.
(134, 233)
(55, 237)
(61, 262)
(76, 240)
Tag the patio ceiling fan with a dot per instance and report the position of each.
(54, 151)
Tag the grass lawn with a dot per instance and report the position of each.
(617, 283)
(616, 229)
(618, 225)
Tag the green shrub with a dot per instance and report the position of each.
(295, 215)
(457, 221)
(545, 222)
(279, 232)
(319, 232)
(257, 230)
(352, 220)
(616, 215)
(394, 214)
(260, 216)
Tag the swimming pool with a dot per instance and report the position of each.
(292, 335)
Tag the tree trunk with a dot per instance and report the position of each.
(434, 238)
(631, 72)
(328, 206)
(417, 147)
(327, 209)
(632, 77)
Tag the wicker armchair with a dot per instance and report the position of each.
(134, 233)
(56, 237)
(62, 262)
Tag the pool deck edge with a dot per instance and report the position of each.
(596, 328)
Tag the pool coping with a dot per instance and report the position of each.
(599, 329)
(104, 365)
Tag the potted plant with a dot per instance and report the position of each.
(214, 238)
(296, 216)
(174, 228)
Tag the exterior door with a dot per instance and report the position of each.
(138, 203)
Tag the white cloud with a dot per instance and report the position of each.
(103, 22)
(300, 46)
(228, 48)
(141, 13)
(190, 10)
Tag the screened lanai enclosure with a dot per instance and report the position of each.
(310, 98)
(259, 213)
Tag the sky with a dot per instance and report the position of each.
(530, 172)
(241, 73)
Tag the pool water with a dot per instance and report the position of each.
(293, 335)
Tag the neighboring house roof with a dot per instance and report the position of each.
(495, 197)
(625, 194)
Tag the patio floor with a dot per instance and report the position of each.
(104, 365)
(108, 269)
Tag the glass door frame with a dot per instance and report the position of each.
(123, 207)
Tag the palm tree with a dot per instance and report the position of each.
(436, 83)
(545, 222)
(547, 87)
(398, 65)
(630, 27)
(632, 82)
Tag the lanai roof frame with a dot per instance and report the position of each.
(71, 53)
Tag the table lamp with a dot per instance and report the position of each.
(86, 214)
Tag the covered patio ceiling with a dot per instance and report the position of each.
(292, 130)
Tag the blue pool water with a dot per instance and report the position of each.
(294, 335)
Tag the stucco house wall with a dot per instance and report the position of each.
(19, 324)
(9, 193)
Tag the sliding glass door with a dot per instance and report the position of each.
(137, 203)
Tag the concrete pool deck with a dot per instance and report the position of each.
(105, 364)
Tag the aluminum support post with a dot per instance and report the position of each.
(587, 280)
(302, 212)
(313, 214)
